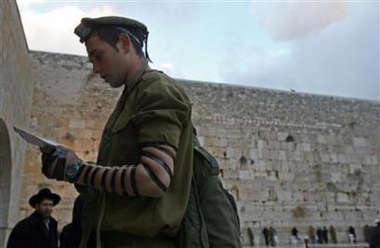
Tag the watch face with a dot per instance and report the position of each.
(72, 170)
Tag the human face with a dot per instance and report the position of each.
(106, 61)
(45, 208)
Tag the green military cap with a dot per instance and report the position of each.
(135, 29)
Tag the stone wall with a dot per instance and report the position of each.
(293, 159)
(290, 159)
(16, 90)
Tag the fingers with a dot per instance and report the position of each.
(59, 169)
(49, 163)
(44, 159)
(54, 164)
(55, 160)
(48, 149)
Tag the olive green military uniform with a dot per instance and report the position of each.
(154, 110)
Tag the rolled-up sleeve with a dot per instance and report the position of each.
(162, 111)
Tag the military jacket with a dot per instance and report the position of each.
(155, 110)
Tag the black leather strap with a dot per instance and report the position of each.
(92, 179)
(159, 161)
(133, 180)
(104, 179)
(159, 145)
(155, 178)
(163, 149)
(86, 174)
(123, 179)
(113, 181)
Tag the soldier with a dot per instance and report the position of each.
(137, 192)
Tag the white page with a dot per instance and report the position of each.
(36, 140)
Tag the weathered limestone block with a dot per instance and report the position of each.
(342, 197)
(321, 139)
(359, 142)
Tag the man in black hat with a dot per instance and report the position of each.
(137, 192)
(39, 230)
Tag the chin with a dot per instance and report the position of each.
(115, 85)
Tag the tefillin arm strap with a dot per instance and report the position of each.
(151, 177)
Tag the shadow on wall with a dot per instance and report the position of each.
(5, 180)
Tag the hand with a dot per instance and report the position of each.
(55, 162)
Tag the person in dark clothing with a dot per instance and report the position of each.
(72, 232)
(266, 235)
(39, 230)
(295, 233)
(325, 235)
(374, 241)
(250, 236)
(367, 233)
(273, 236)
(352, 234)
(333, 234)
(320, 235)
(312, 235)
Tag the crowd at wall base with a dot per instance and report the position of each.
(268, 236)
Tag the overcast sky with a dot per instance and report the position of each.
(321, 47)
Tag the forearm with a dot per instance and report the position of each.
(151, 177)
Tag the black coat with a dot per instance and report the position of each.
(70, 236)
(31, 232)
(375, 237)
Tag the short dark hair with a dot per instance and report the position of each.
(111, 36)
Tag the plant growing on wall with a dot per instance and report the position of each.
(299, 211)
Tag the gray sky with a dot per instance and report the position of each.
(320, 47)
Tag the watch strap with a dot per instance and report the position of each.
(74, 171)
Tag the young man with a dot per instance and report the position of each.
(137, 192)
(39, 230)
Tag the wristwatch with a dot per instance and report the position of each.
(73, 171)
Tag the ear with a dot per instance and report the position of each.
(125, 42)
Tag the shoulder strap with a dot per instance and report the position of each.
(201, 151)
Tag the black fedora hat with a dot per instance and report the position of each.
(44, 193)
